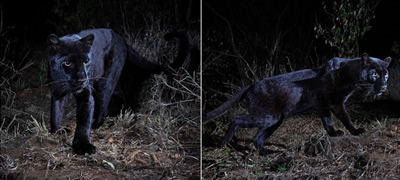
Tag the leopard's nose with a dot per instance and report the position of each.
(383, 88)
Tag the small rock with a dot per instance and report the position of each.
(393, 128)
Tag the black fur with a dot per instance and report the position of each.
(95, 66)
(188, 48)
(273, 99)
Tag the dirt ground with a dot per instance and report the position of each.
(130, 146)
(304, 151)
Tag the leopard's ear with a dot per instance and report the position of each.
(53, 39)
(88, 40)
(388, 60)
(365, 59)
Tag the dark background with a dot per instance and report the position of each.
(27, 24)
(33, 21)
(257, 26)
(297, 19)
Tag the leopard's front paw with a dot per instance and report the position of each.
(83, 148)
(336, 133)
(358, 131)
(264, 152)
(222, 144)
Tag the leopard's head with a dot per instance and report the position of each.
(374, 72)
(69, 63)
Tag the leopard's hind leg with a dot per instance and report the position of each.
(267, 126)
(243, 121)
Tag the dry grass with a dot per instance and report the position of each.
(306, 152)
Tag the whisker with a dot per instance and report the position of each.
(96, 78)
(57, 81)
(92, 88)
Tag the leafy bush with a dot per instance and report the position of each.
(350, 20)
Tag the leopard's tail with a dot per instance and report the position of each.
(222, 109)
(189, 53)
(184, 45)
(153, 68)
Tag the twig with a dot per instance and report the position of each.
(232, 38)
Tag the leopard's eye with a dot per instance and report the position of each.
(67, 63)
(375, 75)
(86, 62)
(386, 76)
